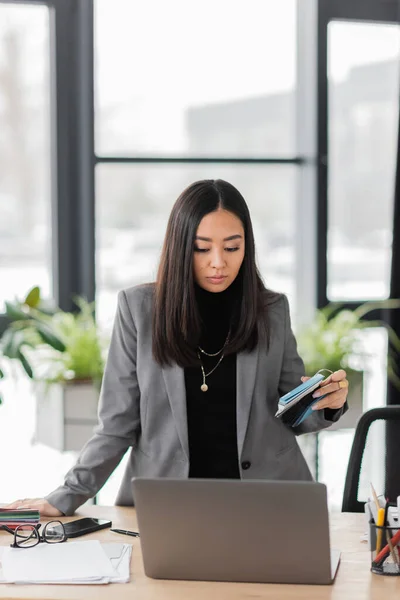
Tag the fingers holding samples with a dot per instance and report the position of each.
(45, 508)
(334, 389)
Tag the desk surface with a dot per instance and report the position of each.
(354, 581)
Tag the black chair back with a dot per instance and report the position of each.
(350, 495)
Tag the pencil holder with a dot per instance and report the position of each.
(385, 550)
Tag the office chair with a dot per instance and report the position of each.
(350, 494)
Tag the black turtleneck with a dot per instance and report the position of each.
(211, 415)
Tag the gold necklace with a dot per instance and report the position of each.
(204, 386)
(219, 351)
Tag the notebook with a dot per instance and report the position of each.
(14, 517)
(296, 405)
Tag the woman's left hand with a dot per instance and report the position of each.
(336, 389)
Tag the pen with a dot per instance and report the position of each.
(126, 532)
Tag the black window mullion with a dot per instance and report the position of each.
(322, 158)
(85, 134)
(378, 11)
(73, 151)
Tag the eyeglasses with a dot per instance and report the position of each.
(28, 536)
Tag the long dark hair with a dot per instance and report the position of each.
(176, 321)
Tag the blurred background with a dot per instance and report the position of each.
(108, 110)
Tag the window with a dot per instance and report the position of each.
(213, 78)
(363, 88)
(133, 204)
(25, 225)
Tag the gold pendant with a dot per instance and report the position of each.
(204, 387)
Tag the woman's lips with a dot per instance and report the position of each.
(218, 279)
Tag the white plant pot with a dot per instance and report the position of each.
(65, 415)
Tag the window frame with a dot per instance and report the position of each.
(356, 10)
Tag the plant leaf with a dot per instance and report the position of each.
(7, 335)
(330, 309)
(47, 308)
(27, 367)
(15, 312)
(49, 338)
(393, 376)
(331, 339)
(1, 374)
(376, 304)
(33, 297)
(393, 338)
(12, 341)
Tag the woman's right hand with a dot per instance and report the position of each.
(45, 508)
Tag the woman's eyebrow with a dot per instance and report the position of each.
(227, 239)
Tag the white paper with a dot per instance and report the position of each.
(117, 555)
(120, 557)
(70, 562)
(2, 580)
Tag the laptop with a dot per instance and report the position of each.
(235, 530)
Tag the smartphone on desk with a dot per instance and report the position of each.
(84, 526)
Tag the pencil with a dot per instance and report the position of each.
(378, 506)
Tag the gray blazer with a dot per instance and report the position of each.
(143, 406)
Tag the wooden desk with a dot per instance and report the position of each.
(354, 580)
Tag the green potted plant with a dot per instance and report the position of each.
(333, 341)
(63, 353)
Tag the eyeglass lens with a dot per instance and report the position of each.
(53, 532)
(26, 536)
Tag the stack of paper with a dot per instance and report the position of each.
(87, 562)
(12, 517)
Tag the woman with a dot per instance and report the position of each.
(196, 365)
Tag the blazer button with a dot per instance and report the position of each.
(246, 464)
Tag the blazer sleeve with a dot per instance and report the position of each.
(119, 418)
(290, 377)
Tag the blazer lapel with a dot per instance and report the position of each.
(175, 384)
(246, 367)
